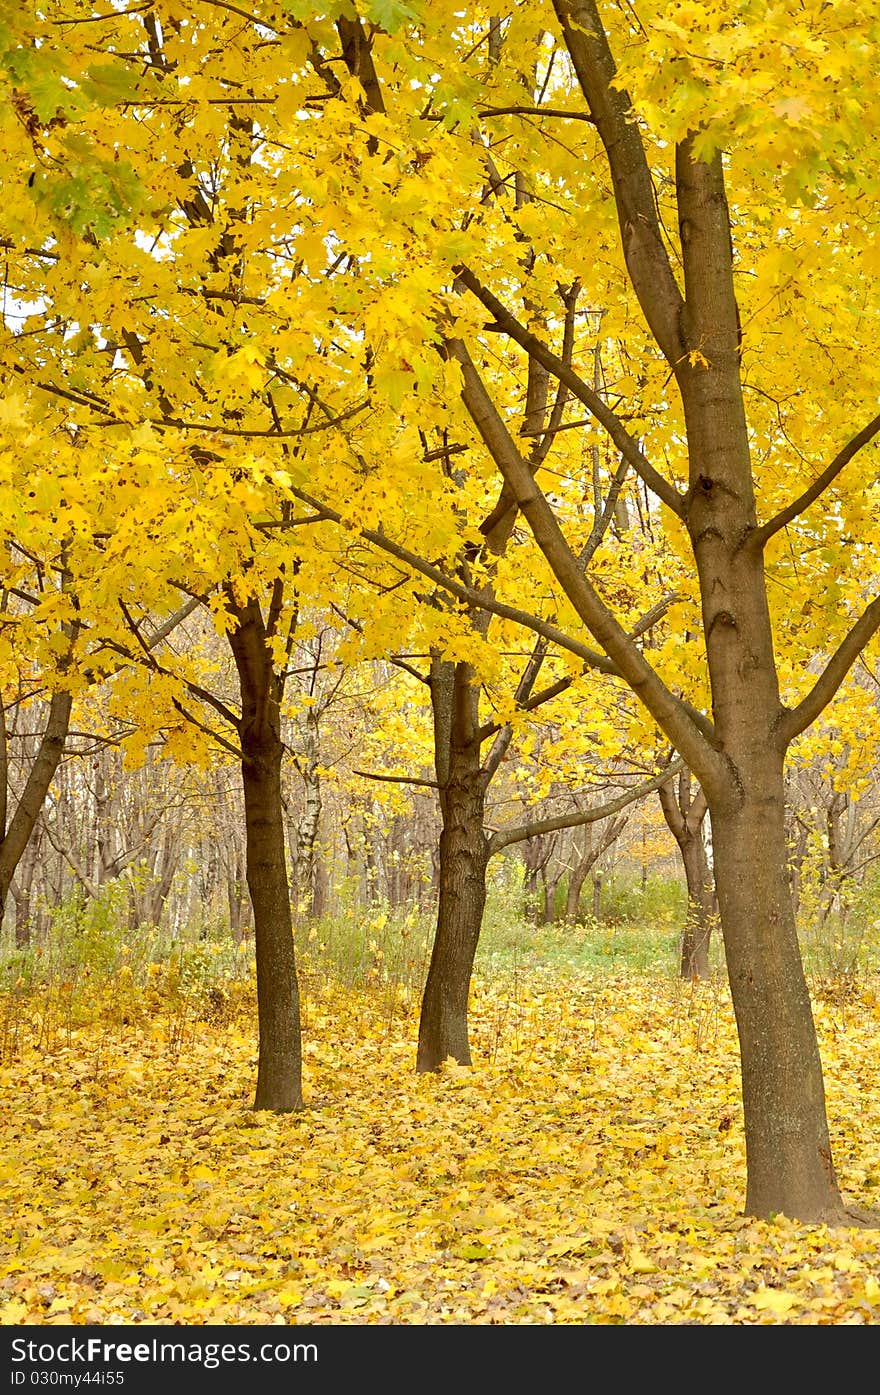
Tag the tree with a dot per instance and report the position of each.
(684, 810)
(738, 755)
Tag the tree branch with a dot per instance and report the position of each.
(468, 594)
(504, 837)
(534, 700)
(396, 779)
(795, 720)
(537, 111)
(647, 259)
(528, 679)
(668, 711)
(761, 535)
(591, 399)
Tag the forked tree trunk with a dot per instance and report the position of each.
(279, 1073)
(738, 755)
(787, 1143)
(464, 855)
(588, 852)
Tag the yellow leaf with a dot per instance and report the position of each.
(639, 1263)
(774, 1300)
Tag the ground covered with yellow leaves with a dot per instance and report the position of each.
(589, 1169)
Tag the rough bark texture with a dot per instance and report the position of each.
(279, 1074)
(464, 854)
(788, 1150)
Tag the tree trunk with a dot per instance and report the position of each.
(553, 911)
(279, 1075)
(14, 837)
(588, 853)
(22, 888)
(696, 932)
(584, 859)
(685, 814)
(464, 855)
(306, 831)
(597, 895)
(235, 899)
(788, 1151)
(738, 754)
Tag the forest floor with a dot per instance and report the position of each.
(588, 1169)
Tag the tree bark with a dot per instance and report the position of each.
(22, 886)
(587, 855)
(787, 1143)
(279, 1073)
(551, 888)
(788, 1150)
(464, 855)
(696, 935)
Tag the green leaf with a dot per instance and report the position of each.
(109, 84)
(475, 1251)
(390, 15)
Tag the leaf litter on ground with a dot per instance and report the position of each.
(589, 1168)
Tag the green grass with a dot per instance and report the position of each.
(589, 948)
(88, 944)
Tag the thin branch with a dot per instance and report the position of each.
(99, 19)
(504, 837)
(243, 14)
(214, 430)
(468, 594)
(819, 485)
(396, 661)
(9, 245)
(173, 621)
(537, 111)
(396, 779)
(198, 692)
(795, 720)
(209, 731)
(535, 700)
(528, 679)
(665, 707)
(603, 522)
(641, 235)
